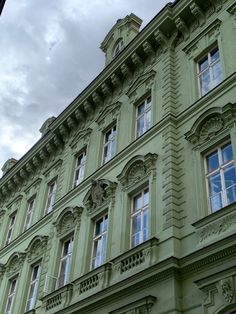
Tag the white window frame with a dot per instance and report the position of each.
(147, 109)
(52, 188)
(210, 69)
(10, 228)
(109, 144)
(65, 274)
(29, 213)
(11, 296)
(98, 242)
(219, 170)
(141, 212)
(80, 168)
(33, 286)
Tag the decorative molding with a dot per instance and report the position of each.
(15, 263)
(113, 109)
(210, 124)
(36, 247)
(143, 82)
(137, 169)
(216, 228)
(142, 305)
(68, 219)
(227, 289)
(81, 135)
(99, 195)
(212, 32)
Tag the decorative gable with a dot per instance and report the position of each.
(14, 263)
(211, 123)
(68, 219)
(99, 195)
(80, 140)
(137, 169)
(141, 86)
(36, 247)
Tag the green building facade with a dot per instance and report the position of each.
(126, 205)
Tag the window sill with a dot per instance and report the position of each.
(216, 225)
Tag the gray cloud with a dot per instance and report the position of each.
(49, 54)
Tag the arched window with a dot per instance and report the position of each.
(118, 47)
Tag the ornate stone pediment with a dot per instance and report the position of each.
(138, 168)
(211, 123)
(81, 135)
(143, 84)
(36, 247)
(15, 263)
(99, 195)
(113, 109)
(68, 219)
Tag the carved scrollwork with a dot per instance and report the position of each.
(210, 128)
(227, 289)
(14, 263)
(99, 195)
(68, 219)
(137, 169)
(36, 247)
(211, 123)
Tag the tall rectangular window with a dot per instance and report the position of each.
(52, 187)
(65, 262)
(29, 213)
(209, 71)
(139, 217)
(33, 288)
(220, 177)
(109, 148)
(143, 117)
(10, 228)
(79, 170)
(99, 241)
(11, 296)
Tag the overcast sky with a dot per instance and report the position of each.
(49, 52)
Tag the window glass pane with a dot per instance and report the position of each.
(231, 194)
(146, 197)
(135, 239)
(215, 184)
(227, 153)
(216, 74)
(141, 109)
(137, 202)
(205, 82)
(105, 223)
(230, 176)
(98, 229)
(212, 162)
(215, 55)
(148, 103)
(148, 120)
(136, 223)
(203, 64)
(216, 202)
(140, 126)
